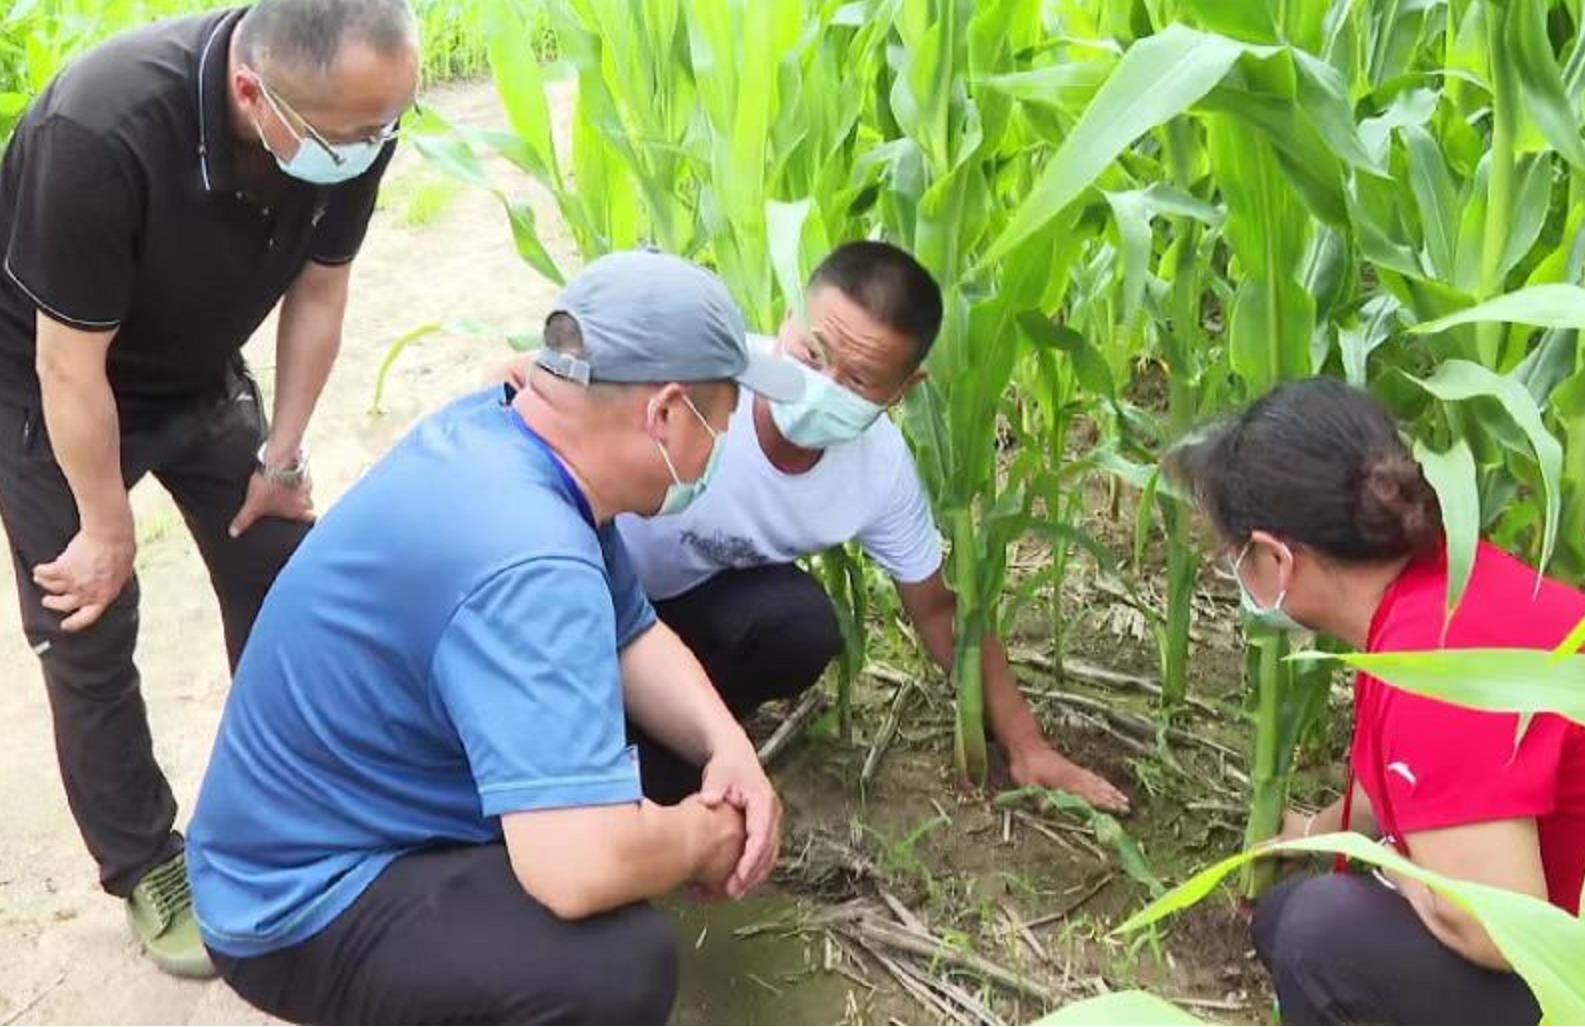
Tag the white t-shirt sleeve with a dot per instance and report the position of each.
(901, 536)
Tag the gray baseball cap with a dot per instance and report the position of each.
(649, 317)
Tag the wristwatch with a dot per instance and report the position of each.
(292, 477)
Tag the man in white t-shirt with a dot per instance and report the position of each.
(797, 479)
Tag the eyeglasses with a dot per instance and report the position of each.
(282, 109)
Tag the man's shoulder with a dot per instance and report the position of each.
(463, 481)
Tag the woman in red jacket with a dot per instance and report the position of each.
(1327, 523)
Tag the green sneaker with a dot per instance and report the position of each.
(160, 913)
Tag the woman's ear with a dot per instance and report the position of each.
(1279, 551)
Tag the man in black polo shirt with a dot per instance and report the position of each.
(160, 198)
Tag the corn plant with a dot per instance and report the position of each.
(1213, 197)
(1267, 232)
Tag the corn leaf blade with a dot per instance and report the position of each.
(1545, 944)
(1159, 78)
(1458, 380)
(1120, 1008)
(1452, 474)
(1552, 305)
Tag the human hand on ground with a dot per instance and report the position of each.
(1041, 766)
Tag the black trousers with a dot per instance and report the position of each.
(450, 936)
(202, 451)
(763, 633)
(1345, 949)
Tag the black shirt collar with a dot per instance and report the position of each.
(216, 141)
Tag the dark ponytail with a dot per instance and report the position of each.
(1317, 462)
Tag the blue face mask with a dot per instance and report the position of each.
(680, 494)
(317, 160)
(827, 415)
(1272, 618)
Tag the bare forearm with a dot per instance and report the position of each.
(1012, 721)
(1361, 818)
(309, 339)
(628, 855)
(668, 694)
(84, 430)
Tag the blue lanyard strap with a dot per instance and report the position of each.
(578, 498)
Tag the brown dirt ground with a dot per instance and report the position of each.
(74, 961)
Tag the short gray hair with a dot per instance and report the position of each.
(311, 34)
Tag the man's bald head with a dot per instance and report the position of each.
(300, 39)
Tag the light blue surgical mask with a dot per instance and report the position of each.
(317, 160)
(1272, 618)
(680, 494)
(827, 415)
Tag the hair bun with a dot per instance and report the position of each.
(1398, 508)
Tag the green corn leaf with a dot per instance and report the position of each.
(1066, 86)
(1495, 680)
(1546, 101)
(1452, 474)
(1570, 645)
(1269, 340)
(605, 214)
(1323, 96)
(1553, 305)
(1436, 196)
(526, 236)
(786, 222)
(1545, 945)
(1121, 1008)
(1088, 364)
(519, 82)
(1249, 20)
(1378, 318)
(1159, 78)
(1458, 380)
(1134, 210)
(450, 153)
(1531, 202)
(1145, 517)
(447, 150)
(394, 351)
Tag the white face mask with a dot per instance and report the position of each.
(317, 160)
(1274, 617)
(827, 415)
(680, 494)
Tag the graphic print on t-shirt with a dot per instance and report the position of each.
(719, 549)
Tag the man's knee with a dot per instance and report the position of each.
(632, 978)
(806, 629)
(93, 662)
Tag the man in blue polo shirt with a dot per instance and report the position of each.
(422, 806)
